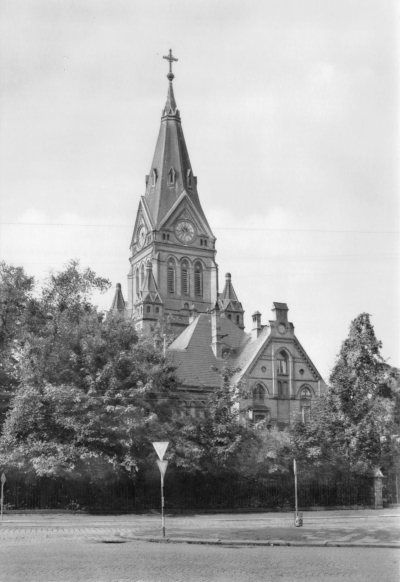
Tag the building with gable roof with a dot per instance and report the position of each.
(173, 273)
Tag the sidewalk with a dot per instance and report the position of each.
(366, 528)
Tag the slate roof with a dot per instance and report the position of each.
(170, 152)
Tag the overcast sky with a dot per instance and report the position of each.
(290, 114)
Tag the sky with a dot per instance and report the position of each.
(290, 114)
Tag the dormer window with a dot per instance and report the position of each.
(154, 177)
(189, 178)
(171, 177)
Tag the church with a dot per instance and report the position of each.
(173, 273)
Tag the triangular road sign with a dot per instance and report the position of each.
(3, 478)
(160, 449)
(162, 465)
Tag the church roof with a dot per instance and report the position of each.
(118, 303)
(170, 156)
(193, 355)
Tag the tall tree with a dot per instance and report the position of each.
(356, 424)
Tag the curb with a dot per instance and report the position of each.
(222, 542)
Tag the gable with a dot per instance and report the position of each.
(185, 209)
(142, 218)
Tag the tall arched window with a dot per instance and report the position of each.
(141, 276)
(171, 177)
(189, 178)
(305, 404)
(198, 280)
(185, 278)
(258, 393)
(283, 367)
(171, 276)
(137, 281)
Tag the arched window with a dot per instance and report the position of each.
(305, 404)
(137, 281)
(282, 359)
(305, 393)
(282, 389)
(141, 276)
(171, 177)
(189, 178)
(185, 278)
(148, 309)
(198, 280)
(154, 177)
(171, 276)
(258, 393)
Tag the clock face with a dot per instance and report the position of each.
(184, 231)
(282, 328)
(141, 237)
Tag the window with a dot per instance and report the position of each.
(282, 389)
(141, 276)
(154, 177)
(185, 278)
(171, 276)
(189, 178)
(198, 280)
(258, 394)
(305, 393)
(229, 316)
(148, 309)
(137, 282)
(171, 177)
(165, 236)
(305, 414)
(157, 310)
(282, 363)
(237, 319)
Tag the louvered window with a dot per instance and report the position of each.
(198, 281)
(171, 277)
(185, 279)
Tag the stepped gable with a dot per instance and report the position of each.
(163, 189)
(118, 303)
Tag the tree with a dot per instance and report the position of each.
(355, 425)
(92, 393)
(220, 441)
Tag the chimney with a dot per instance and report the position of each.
(256, 330)
(281, 311)
(193, 314)
(216, 332)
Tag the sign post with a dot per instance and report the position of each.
(160, 448)
(3, 480)
(298, 517)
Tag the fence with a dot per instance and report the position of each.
(189, 492)
(391, 488)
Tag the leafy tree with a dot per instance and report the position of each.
(92, 393)
(220, 441)
(355, 425)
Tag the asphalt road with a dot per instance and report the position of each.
(97, 561)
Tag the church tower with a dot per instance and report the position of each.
(173, 269)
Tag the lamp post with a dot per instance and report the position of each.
(160, 448)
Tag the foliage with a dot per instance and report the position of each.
(355, 426)
(91, 394)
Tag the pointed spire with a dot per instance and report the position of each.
(118, 303)
(170, 105)
(228, 294)
(229, 303)
(149, 287)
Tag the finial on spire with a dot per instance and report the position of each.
(170, 58)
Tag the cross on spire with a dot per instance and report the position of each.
(170, 58)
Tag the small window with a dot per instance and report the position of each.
(157, 310)
(237, 319)
(148, 309)
(142, 275)
(189, 178)
(263, 369)
(205, 243)
(186, 306)
(154, 177)
(185, 278)
(171, 177)
(201, 242)
(171, 277)
(229, 316)
(198, 280)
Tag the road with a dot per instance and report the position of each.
(95, 560)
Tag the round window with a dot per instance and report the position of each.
(263, 369)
